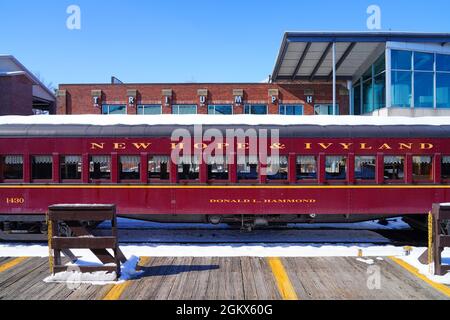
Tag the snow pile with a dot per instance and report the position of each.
(74, 276)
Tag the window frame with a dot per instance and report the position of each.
(161, 181)
(258, 171)
(113, 105)
(250, 105)
(278, 181)
(220, 105)
(423, 181)
(143, 106)
(91, 180)
(395, 181)
(31, 169)
(119, 171)
(336, 181)
(284, 105)
(60, 169)
(177, 106)
(307, 180)
(365, 181)
(2, 160)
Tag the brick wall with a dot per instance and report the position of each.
(77, 99)
(16, 96)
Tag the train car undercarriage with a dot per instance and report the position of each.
(34, 227)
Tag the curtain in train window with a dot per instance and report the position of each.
(306, 167)
(445, 167)
(336, 167)
(277, 168)
(422, 168)
(12, 168)
(394, 167)
(188, 168)
(41, 167)
(70, 167)
(365, 167)
(100, 168)
(130, 167)
(158, 167)
(217, 167)
(247, 167)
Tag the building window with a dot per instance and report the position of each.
(394, 167)
(70, 167)
(423, 90)
(401, 89)
(12, 168)
(401, 60)
(184, 109)
(100, 168)
(217, 167)
(443, 62)
(336, 167)
(423, 61)
(365, 167)
(422, 168)
(277, 168)
(357, 99)
(188, 168)
(445, 168)
(130, 167)
(291, 109)
(158, 167)
(41, 167)
(443, 90)
(255, 109)
(114, 109)
(247, 167)
(325, 109)
(220, 109)
(306, 167)
(146, 109)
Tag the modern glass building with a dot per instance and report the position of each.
(387, 73)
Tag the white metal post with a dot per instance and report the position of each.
(334, 78)
(388, 74)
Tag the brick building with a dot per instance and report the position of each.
(21, 92)
(358, 73)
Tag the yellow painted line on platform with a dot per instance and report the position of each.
(224, 187)
(438, 286)
(11, 264)
(284, 284)
(117, 290)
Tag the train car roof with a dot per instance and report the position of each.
(163, 125)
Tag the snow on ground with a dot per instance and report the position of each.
(413, 259)
(393, 224)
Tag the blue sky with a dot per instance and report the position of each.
(184, 41)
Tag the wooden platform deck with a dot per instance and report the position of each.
(236, 278)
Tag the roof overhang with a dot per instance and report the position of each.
(10, 67)
(308, 55)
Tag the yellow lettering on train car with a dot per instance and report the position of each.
(95, 146)
(120, 146)
(141, 145)
(426, 146)
(404, 146)
(15, 200)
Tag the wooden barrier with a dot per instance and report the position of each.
(439, 238)
(73, 216)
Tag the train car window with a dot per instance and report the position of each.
(100, 167)
(277, 168)
(217, 167)
(158, 167)
(394, 167)
(365, 167)
(130, 167)
(70, 167)
(188, 168)
(12, 168)
(41, 167)
(422, 168)
(306, 167)
(247, 167)
(445, 168)
(336, 167)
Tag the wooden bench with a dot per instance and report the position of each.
(74, 217)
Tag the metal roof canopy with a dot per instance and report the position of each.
(309, 55)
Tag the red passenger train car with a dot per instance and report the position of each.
(327, 168)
